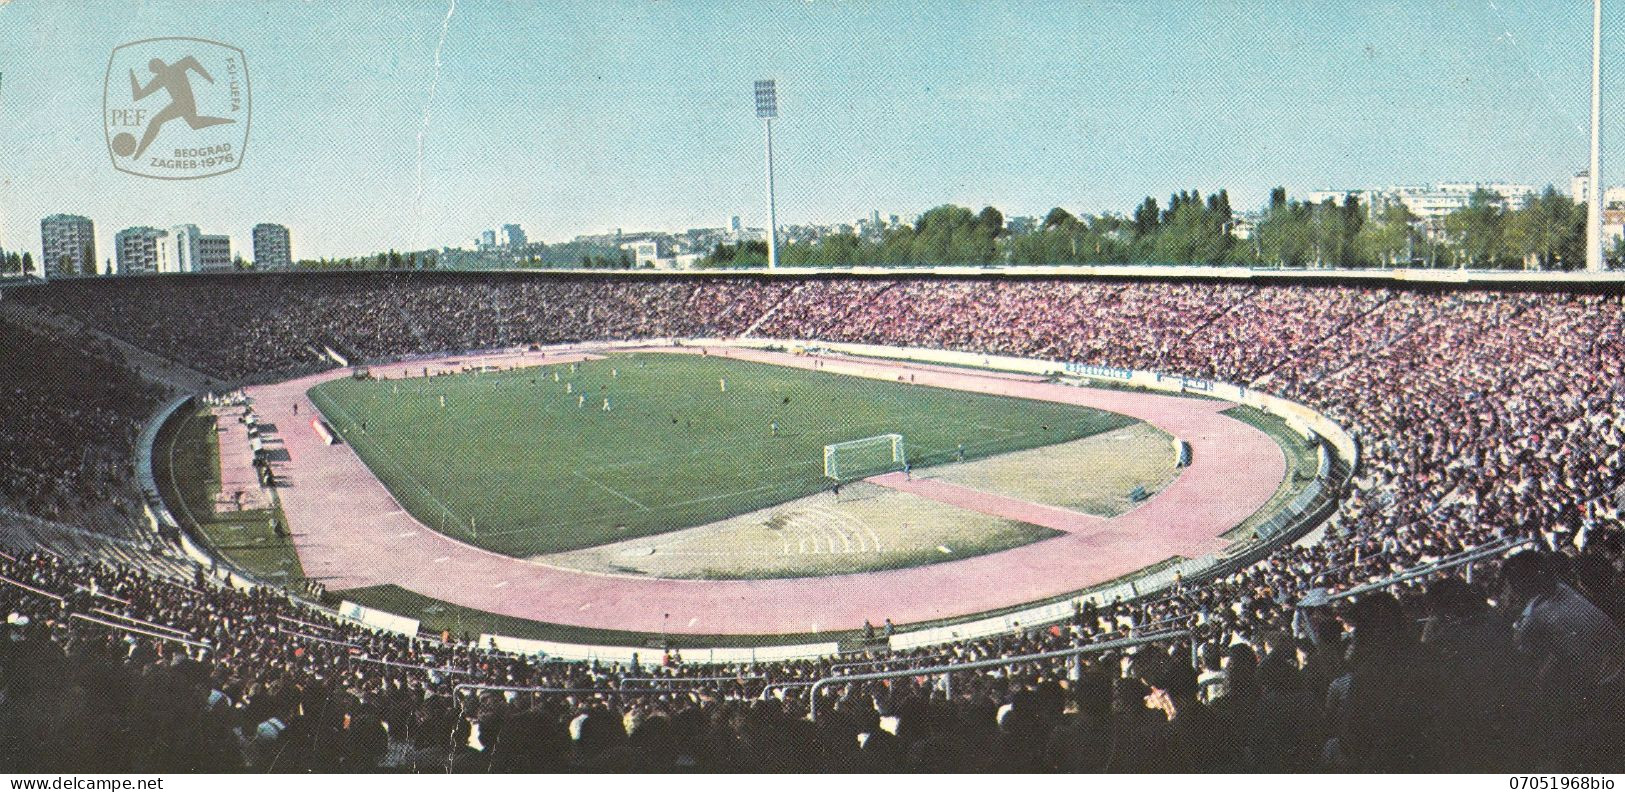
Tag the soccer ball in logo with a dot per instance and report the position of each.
(176, 108)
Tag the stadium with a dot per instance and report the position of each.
(816, 467)
(811, 520)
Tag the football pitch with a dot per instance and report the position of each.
(528, 461)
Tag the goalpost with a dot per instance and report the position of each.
(868, 456)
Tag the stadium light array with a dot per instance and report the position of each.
(767, 109)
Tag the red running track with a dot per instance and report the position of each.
(350, 532)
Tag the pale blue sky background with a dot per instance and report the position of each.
(578, 117)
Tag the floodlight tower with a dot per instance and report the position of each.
(1595, 262)
(767, 109)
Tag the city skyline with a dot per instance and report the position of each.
(1089, 106)
(512, 237)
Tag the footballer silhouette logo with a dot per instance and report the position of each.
(176, 108)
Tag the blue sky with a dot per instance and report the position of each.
(579, 117)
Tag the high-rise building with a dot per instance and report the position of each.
(213, 253)
(67, 246)
(488, 239)
(186, 249)
(1579, 185)
(272, 249)
(513, 237)
(137, 250)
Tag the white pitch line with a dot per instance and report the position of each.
(617, 493)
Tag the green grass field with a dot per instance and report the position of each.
(516, 464)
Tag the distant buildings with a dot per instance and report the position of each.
(272, 249)
(185, 249)
(67, 246)
(654, 252)
(510, 237)
(1612, 197)
(1430, 202)
(213, 253)
(1016, 226)
(137, 251)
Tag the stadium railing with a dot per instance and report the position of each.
(947, 671)
(140, 631)
(39, 591)
(842, 668)
(699, 680)
(1465, 558)
(137, 627)
(458, 690)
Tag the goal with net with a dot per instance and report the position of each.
(869, 456)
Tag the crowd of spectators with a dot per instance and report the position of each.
(1481, 416)
(71, 414)
(1437, 678)
(236, 328)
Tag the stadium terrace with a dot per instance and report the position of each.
(1458, 609)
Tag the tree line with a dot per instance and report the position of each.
(392, 260)
(13, 263)
(1547, 231)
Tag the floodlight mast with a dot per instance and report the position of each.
(767, 109)
(1595, 262)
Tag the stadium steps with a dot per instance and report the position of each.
(1334, 334)
(842, 319)
(154, 367)
(1202, 328)
(23, 531)
(411, 321)
(1366, 354)
(768, 314)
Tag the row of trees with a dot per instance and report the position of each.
(1547, 231)
(11, 263)
(948, 234)
(393, 260)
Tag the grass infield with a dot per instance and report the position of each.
(521, 463)
(186, 465)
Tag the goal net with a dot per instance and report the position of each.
(870, 456)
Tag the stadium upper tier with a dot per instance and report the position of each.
(1482, 414)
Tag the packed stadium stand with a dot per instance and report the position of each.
(1487, 418)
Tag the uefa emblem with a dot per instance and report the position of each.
(176, 108)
